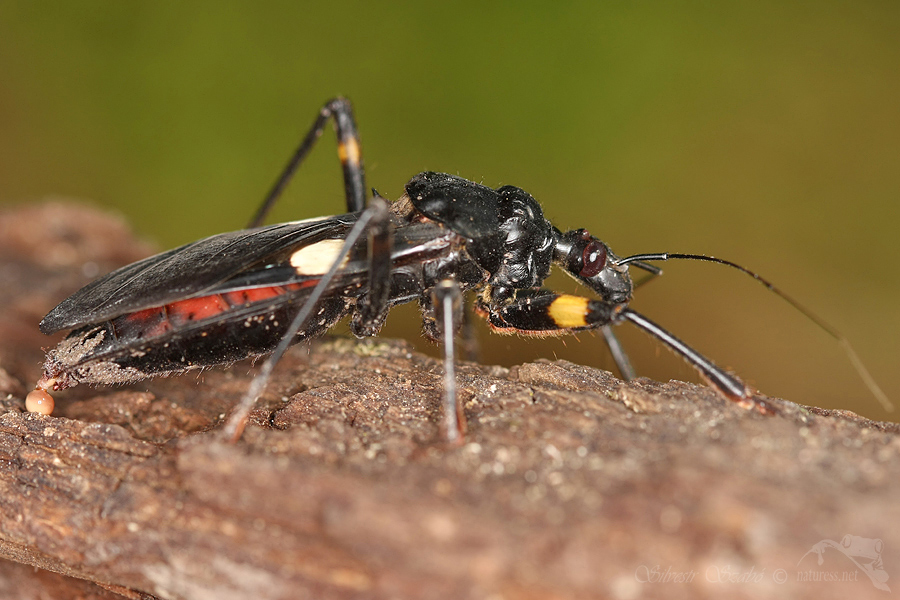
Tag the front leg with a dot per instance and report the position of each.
(542, 312)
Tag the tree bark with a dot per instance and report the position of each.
(569, 484)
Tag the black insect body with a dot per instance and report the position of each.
(220, 299)
(255, 291)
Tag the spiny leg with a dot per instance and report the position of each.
(348, 151)
(376, 213)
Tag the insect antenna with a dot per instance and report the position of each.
(639, 260)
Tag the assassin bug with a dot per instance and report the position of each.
(258, 290)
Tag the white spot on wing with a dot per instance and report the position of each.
(317, 258)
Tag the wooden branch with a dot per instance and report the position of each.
(570, 484)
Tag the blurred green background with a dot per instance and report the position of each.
(764, 132)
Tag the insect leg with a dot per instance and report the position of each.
(543, 312)
(468, 345)
(620, 357)
(721, 380)
(618, 353)
(372, 308)
(377, 211)
(447, 301)
(348, 151)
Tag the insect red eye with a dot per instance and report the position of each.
(593, 258)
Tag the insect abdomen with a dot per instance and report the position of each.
(193, 333)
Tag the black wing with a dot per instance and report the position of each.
(195, 269)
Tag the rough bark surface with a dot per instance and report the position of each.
(570, 483)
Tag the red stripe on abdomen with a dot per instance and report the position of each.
(156, 321)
